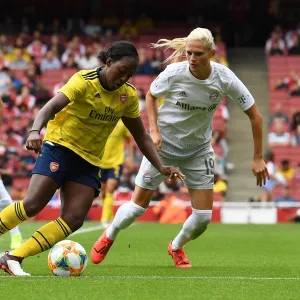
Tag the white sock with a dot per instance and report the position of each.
(192, 228)
(6, 200)
(125, 216)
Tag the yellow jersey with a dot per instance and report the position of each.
(114, 153)
(85, 124)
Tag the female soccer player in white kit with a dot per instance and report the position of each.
(181, 129)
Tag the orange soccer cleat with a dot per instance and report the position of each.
(100, 248)
(179, 257)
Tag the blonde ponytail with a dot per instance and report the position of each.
(179, 44)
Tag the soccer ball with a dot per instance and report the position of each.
(67, 258)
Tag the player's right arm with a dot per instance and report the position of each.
(159, 88)
(68, 93)
(56, 104)
(152, 112)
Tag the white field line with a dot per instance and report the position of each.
(151, 277)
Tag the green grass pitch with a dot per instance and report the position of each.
(229, 262)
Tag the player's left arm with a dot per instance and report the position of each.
(130, 149)
(259, 167)
(243, 98)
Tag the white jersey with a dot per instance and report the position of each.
(185, 118)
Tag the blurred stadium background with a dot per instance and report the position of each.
(42, 45)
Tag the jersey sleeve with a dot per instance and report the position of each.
(133, 108)
(240, 94)
(74, 88)
(161, 85)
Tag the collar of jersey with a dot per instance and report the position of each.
(98, 73)
(192, 77)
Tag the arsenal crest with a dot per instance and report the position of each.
(54, 166)
(123, 98)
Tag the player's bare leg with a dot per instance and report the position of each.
(194, 226)
(125, 216)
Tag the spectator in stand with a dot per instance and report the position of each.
(37, 49)
(295, 49)
(274, 45)
(275, 49)
(144, 67)
(92, 27)
(220, 186)
(88, 60)
(77, 45)
(144, 22)
(285, 196)
(50, 62)
(111, 22)
(297, 173)
(75, 25)
(7, 53)
(3, 61)
(128, 30)
(5, 86)
(278, 115)
(20, 45)
(157, 61)
(16, 82)
(279, 137)
(71, 50)
(267, 189)
(60, 84)
(142, 99)
(287, 82)
(286, 170)
(108, 37)
(296, 137)
(3, 41)
(71, 62)
(56, 27)
(218, 139)
(55, 44)
(20, 62)
(295, 90)
(25, 101)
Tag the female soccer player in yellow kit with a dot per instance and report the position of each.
(86, 111)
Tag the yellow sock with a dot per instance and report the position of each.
(107, 208)
(11, 216)
(44, 238)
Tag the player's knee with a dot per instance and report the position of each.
(202, 219)
(74, 221)
(32, 207)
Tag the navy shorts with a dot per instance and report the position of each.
(113, 173)
(62, 164)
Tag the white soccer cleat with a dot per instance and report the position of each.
(12, 265)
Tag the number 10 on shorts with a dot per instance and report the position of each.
(209, 164)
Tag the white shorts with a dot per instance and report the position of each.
(198, 171)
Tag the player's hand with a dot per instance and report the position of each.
(260, 171)
(157, 139)
(171, 172)
(34, 142)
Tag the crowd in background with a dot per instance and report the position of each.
(36, 62)
(283, 158)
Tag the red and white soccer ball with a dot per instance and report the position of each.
(67, 258)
